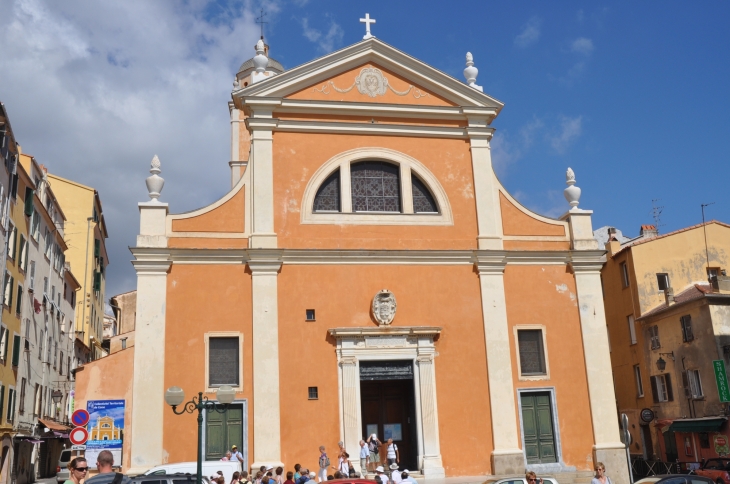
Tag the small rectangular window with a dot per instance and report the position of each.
(713, 272)
(310, 315)
(704, 440)
(223, 362)
(313, 393)
(632, 328)
(695, 384)
(686, 323)
(639, 383)
(624, 275)
(661, 388)
(654, 337)
(532, 352)
(662, 281)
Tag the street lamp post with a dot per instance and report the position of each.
(174, 396)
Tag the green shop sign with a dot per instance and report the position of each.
(721, 379)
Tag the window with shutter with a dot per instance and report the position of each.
(11, 405)
(532, 352)
(639, 383)
(695, 384)
(97, 247)
(10, 290)
(668, 385)
(632, 329)
(21, 407)
(662, 280)
(2, 400)
(654, 337)
(223, 362)
(16, 350)
(28, 201)
(97, 281)
(19, 300)
(11, 241)
(686, 323)
(624, 275)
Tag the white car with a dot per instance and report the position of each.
(522, 480)
(210, 468)
(62, 472)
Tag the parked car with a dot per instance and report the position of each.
(675, 479)
(177, 478)
(715, 469)
(521, 480)
(62, 472)
(210, 467)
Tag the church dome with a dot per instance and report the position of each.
(273, 65)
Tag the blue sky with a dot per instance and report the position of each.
(633, 96)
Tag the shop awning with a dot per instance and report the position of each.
(705, 424)
(51, 425)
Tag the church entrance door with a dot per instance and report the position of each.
(388, 407)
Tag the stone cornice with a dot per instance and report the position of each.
(385, 331)
(384, 129)
(264, 261)
(589, 260)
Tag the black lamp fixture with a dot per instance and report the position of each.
(660, 363)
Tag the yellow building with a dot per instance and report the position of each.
(86, 238)
(105, 430)
(667, 312)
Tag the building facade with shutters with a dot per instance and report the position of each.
(667, 300)
(86, 236)
(368, 273)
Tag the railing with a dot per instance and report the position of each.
(641, 467)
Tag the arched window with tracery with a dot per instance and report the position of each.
(423, 201)
(328, 195)
(375, 187)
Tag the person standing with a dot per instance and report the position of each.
(406, 478)
(324, 464)
(106, 475)
(78, 469)
(601, 477)
(395, 474)
(374, 447)
(236, 455)
(364, 459)
(297, 474)
(392, 454)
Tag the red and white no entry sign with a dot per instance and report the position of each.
(78, 436)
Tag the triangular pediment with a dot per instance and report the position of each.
(411, 81)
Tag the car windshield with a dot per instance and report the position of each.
(716, 464)
(65, 456)
(647, 480)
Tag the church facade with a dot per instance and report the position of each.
(366, 274)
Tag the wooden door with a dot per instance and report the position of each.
(537, 426)
(222, 431)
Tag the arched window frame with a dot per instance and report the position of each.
(407, 165)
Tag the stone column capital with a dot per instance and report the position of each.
(490, 261)
(151, 261)
(348, 361)
(264, 261)
(587, 261)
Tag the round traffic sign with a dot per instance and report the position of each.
(78, 436)
(80, 417)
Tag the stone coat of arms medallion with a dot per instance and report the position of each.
(384, 307)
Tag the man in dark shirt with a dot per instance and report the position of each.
(105, 464)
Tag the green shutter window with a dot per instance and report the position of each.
(16, 350)
(97, 281)
(2, 400)
(11, 405)
(5, 334)
(14, 235)
(10, 291)
(19, 301)
(28, 201)
(97, 247)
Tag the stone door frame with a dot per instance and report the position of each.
(414, 344)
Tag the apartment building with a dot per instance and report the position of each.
(85, 236)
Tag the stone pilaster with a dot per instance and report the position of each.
(433, 466)
(607, 446)
(507, 457)
(152, 266)
(486, 194)
(351, 408)
(264, 265)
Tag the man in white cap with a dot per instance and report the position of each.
(406, 478)
(395, 474)
(380, 474)
(374, 447)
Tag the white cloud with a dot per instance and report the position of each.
(570, 129)
(507, 149)
(530, 33)
(325, 42)
(95, 89)
(582, 46)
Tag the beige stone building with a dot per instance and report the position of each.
(667, 305)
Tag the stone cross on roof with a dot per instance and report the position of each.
(367, 21)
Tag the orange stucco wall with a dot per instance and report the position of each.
(200, 299)
(226, 218)
(110, 378)
(297, 156)
(552, 303)
(535, 245)
(347, 79)
(341, 296)
(206, 243)
(516, 222)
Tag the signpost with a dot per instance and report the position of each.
(78, 436)
(80, 418)
(721, 379)
(626, 435)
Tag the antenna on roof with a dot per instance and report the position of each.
(704, 228)
(260, 20)
(656, 213)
